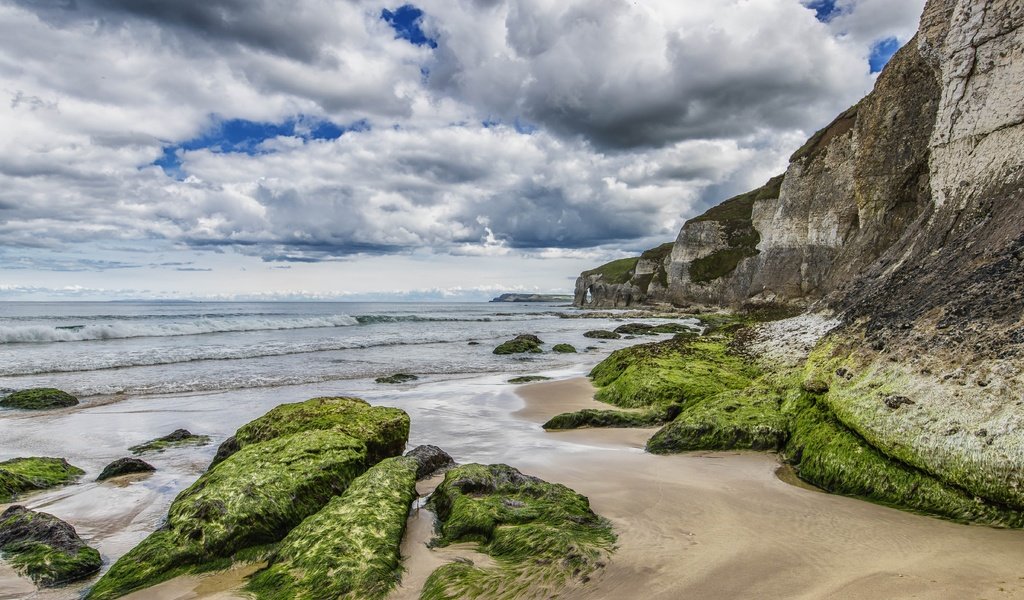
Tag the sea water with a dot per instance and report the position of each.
(144, 369)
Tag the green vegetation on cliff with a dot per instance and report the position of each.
(615, 272)
(20, 475)
(350, 549)
(38, 399)
(541, 535)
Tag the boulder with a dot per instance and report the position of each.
(520, 344)
(397, 378)
(179, 437)
(125, 466)
(38, 399)
(430, 459)
(44, 548)
(20, 475)
(600, 334)
(564, 348)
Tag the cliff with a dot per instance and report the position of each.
(904, 220)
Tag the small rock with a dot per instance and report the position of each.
(38, 399)
(178, 437)
(397, 378)
(844, 373)
(564, 348)
(601, 334)
(431, 459)
(981, 433)
(815, 386)
(895, 402)
(125, 466)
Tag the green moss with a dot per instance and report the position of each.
(831, 456)
(51, 567)
(253, 498)
(520, 344)
(38, 399)
(350, 549)
(683, 369)
(674, 328)
(384, 430)
(564, 348)
(20, 475)
(529, 379)
(599, 334)
(590, 417)
(176, 439)
(740, 208)
(397, 378)
(748, 418)
(720, 263)
(615, 272)
(541, 535)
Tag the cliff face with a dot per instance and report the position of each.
(905, 219)
(928, 162)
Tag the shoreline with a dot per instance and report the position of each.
(721, 525)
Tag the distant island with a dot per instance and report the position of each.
(533, 298)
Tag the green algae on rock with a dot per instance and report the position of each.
(350, 549)
(682, 369)
(397, 378)
(38, 399)
(520, 344)
(20, 475)
(601, 334)
(384, 430)
(175, 439)
(251, 499)
(528, 379)
(282, 468)
(564, 348)
(541, 535)
(44, 548)
(589, 417)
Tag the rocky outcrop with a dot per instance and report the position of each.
(125, 466)
(44, 548)
(23, 475)
(38, 399)
(626, 282)
(175, 439)
(904, 218)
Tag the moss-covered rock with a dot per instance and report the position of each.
(44, 548)
(564, 348)
(589, 417)
(674, 328)
(350, 549)
(38, 399)
(125, 466)
(541, 535)
(285, 467)
(749, 418)
(520, 344)
(635, 329)
(601, 334)
(20, 475)
(397, 378)
(680, 370)
(175, 439)
(831, 456)
(528, 379)
(384, 430)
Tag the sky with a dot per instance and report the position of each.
(361, 150)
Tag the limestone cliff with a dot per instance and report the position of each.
(905, 219)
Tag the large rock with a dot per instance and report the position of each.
(44, 548)
(287, 466)
(20, 475)
(430, 460)
(38, 399)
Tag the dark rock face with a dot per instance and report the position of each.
(125, 466)
(431, 459)
(38, 399)
(45, 548)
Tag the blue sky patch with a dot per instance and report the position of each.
(244, 136)
(824, 10)
(405, 20)
(881, 52)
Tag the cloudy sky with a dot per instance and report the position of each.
(355, 149)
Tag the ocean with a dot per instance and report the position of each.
(119, 348)
(144, 369)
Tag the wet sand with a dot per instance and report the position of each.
(723, 525)
(709, 525)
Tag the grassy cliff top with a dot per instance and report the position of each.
(615, 272)
(740, 208)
